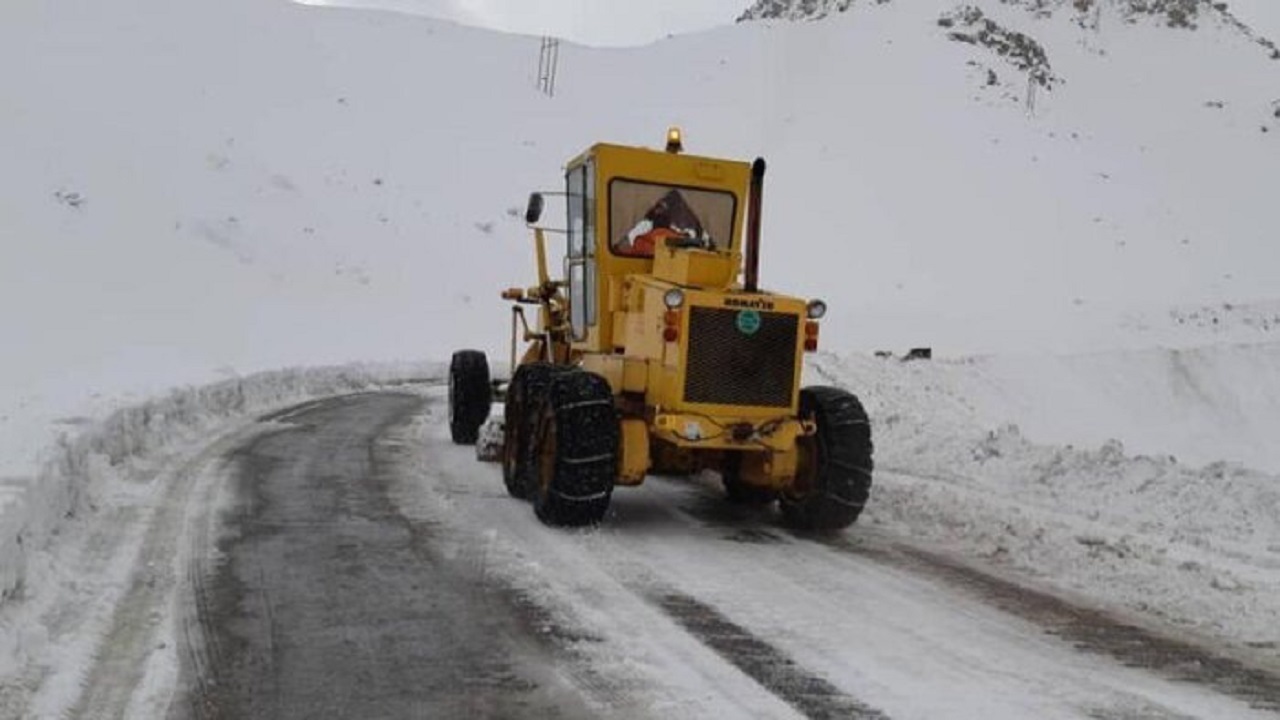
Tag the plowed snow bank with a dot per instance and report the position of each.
(129, 443)
(1030, 462)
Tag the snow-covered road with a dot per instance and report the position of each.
(367, 567)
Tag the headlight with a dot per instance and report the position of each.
(673, 298)
(816, 309)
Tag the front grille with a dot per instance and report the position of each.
(727, 366)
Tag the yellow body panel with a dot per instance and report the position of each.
(610, 367)
(695, 267)
(635, 452)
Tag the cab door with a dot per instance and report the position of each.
(580, 261)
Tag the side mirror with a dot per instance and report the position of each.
(534, 211)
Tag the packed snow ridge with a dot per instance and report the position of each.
(130, 445)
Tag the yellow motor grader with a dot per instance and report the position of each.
(651, 355)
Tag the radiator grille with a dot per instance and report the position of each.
(730, 367)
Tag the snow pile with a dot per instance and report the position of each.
(489, 443)
(1200, 405)
(1193, 545)
(132, 443)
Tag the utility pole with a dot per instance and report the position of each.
(548, 62)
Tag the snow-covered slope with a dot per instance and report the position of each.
(340, 185)
(607, 23)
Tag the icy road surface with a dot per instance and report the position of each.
(345, 560)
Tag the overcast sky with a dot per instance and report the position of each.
(635, 22)
(604, 21)
(592, 22)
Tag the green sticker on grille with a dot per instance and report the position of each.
(748, 322)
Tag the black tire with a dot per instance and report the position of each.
(525, 395)
(739, 492)
(470, 395)
(577, 441)
(835, 463)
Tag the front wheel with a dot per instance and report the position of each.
(833, 480)
(524, 399)
(577, 443)
(469, 395)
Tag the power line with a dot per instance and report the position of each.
(548, 63)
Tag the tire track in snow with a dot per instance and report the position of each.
(139, 617)
(612, 657)
(808, 693)
(327, 600)
(1090, 630)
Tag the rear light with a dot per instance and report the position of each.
(671, 326)
(810, 336)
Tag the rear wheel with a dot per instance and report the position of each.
(834, 477)
(524, 399)
(469, 395)
(577, 441)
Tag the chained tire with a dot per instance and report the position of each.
(742, 493)
(525, 395)
(576, 442)
(834, 478)
(470, 395)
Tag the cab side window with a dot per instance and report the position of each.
(580, 262)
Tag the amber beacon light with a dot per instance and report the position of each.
(675, 142)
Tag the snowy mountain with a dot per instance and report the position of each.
(1015, 41)
(1081, 194)
(1087, 14)
(984, 177)
(794, 9)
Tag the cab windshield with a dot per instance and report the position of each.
(643, 216)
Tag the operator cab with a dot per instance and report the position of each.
(644, 216)
(634, 212)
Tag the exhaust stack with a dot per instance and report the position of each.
(751, 277)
